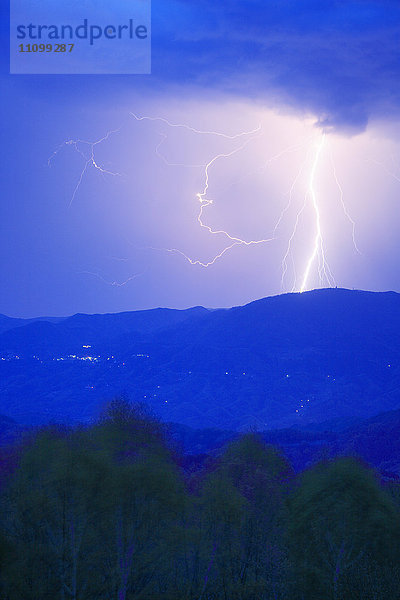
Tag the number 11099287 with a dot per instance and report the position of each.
(46, 47)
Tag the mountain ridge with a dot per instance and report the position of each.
(276, 362)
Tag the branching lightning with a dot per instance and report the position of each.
(89, 161)
(112, 283)
(294, 230)
(346, 212)
(194, 130)
(312, 200)
(202, 196)
(205, 202)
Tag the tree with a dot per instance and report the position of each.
(340, 523)
(241, 501)
(52, 507)
(145, 497)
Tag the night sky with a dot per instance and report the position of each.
(318, 86)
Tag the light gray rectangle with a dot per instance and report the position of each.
(80, 37)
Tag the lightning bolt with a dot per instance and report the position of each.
(202, 197)
(193, 129)
(205, 202)
(87, 150)
(346, 212)
(199, 262)
(294, 231)
(112, 283)
(324, 271)
(90, 160)
(166, 161)
(318, 248)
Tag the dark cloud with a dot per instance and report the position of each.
(339, 60)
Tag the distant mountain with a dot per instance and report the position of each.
(49, 337)
(279, 362)
(7, 323)
(375, 440)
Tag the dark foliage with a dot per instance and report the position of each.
(112, 511)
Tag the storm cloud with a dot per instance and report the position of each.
(338, 60)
